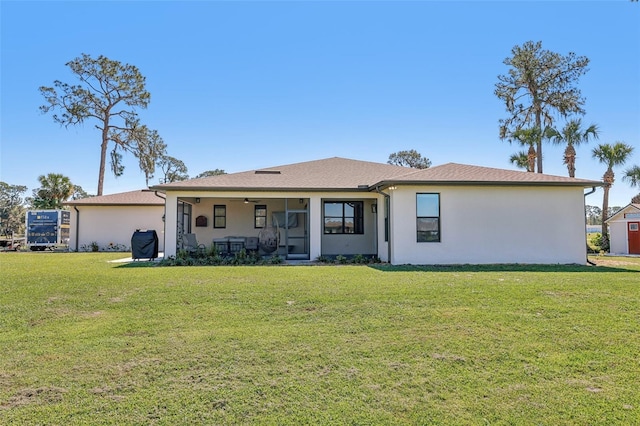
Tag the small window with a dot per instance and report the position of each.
(428, 218)
(343, 217)
(219, 216)
(260, 216)
(633, 227)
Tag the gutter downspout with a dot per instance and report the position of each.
(387, 198)
(593, 189)
(77, 226)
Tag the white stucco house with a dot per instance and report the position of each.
(111, 220)
(624, 230)
(447, 214)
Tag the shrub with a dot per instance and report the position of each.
(212, 251)
(274, 260)
(92, 246)
(115, 247)
(596, 241)
(358, 259)
(213, 258)
(341, 259)
(182, 254)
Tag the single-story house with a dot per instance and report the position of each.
(447, 214)
(110, 220)
(624, 230)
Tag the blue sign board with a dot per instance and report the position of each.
(42, 227)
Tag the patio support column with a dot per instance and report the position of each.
(382, 246)
(315, 227)
(170, 224)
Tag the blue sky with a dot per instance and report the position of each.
(244, 85)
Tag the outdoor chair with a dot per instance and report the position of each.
(190, 244)
(236, 244)
(252, 244)
(221, 245)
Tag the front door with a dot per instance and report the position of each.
(633, 233)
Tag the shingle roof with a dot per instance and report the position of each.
(345, 174)
(453, 173)
(131, 198)
(331, 173)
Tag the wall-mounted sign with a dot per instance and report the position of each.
(201, 221)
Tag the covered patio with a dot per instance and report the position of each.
(268, 226)
(295, 227)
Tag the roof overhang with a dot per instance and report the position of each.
(113, 204)
(390, 183)
(381, 185)
(249, 189)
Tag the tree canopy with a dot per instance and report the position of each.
(521, 160)
(109, 93)
(12, 209)
(54, 191)
(632, 175)
(539, 85)
(173, 169)
(214, 172)
(79, 193)
(572, 135)
(410, 158)
(527, 137)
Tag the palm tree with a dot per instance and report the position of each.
(611, 155)
(632, 175)
(520, 160)
(528, 137)
(572, 135)
(55, 189)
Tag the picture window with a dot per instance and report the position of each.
(344, 217)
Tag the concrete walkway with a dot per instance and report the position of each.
(130, 259)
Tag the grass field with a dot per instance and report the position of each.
(84, 341)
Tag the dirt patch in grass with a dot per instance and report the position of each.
(44, 395)
(616, 261)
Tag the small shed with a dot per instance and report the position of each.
(107, 222)
(624, 230)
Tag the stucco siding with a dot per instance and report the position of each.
(493, 225)
(618, 241)
(113, 224)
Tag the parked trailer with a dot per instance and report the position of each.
(46, 229)
(11, 243)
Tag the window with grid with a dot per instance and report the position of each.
(219, 216)
(260, 216)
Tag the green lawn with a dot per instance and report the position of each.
(84, 341)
